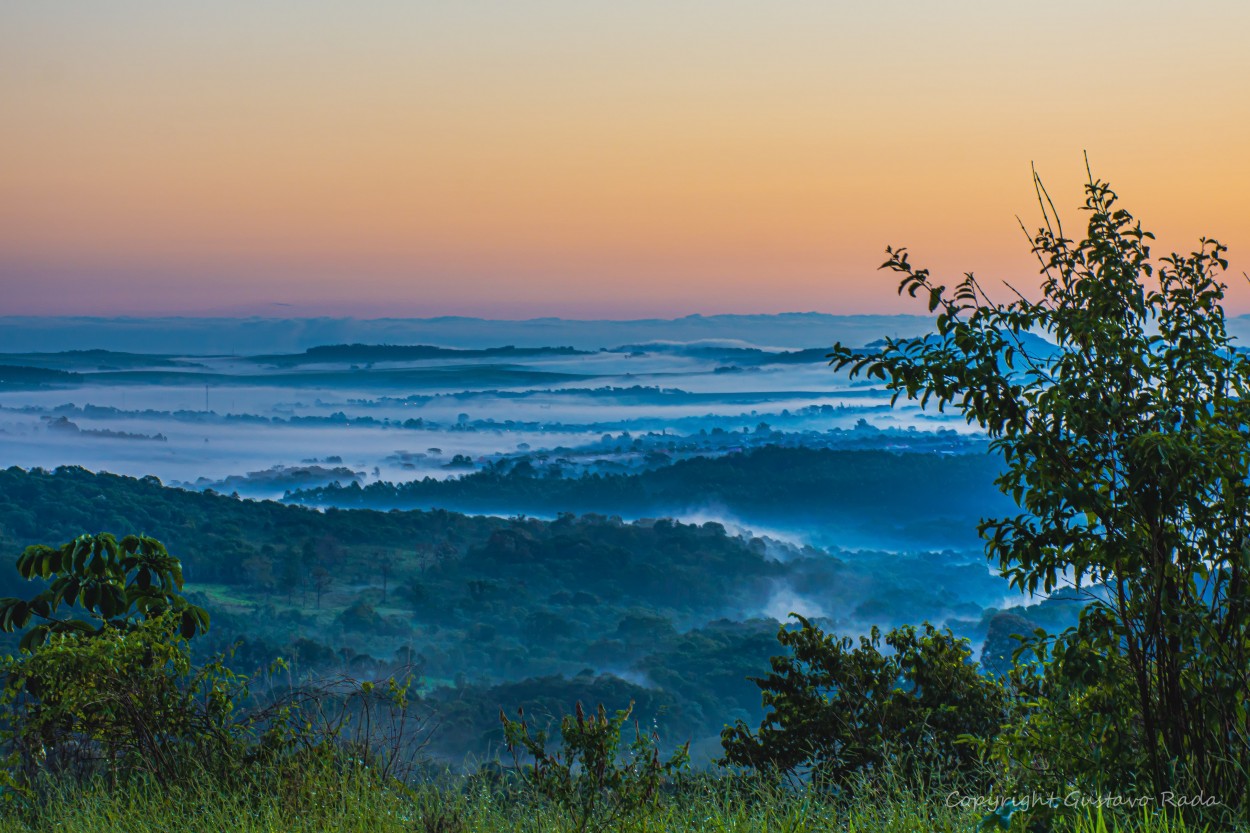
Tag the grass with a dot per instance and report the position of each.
(333, 801)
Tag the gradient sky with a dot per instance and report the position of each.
(586, 159)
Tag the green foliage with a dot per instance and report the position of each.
(114, 584)
(838, 711)
(1068, 724)
(121, 700)
(115, 686)
(592, 778)
(1126, 443)
(117, 694)
(361, 616)
(131, 705)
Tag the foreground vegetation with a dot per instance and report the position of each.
(331, 800)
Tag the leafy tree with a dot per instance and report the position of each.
(110, 678)
(321, 579)
(114, 691)
(114, 584)
(360, 616)
(291, 574)
(1118, 403)
(414, 593)
(259, 572)
(837, 710)
(1003, 636)
(385, 563)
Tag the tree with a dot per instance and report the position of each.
(291, 573)
(109, 678)
(385, 563)
(837, 710)
(116, 585)
(360, 616)
(259, 571)
(114, 692)
(321, 580)
(1118, 403)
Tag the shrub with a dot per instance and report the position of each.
(838, 711)
(593, 779)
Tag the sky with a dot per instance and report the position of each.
(654, 158)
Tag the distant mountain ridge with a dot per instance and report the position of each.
(251, 336)
(332, 353)
(187, 336)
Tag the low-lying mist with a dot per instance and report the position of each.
(608, 513)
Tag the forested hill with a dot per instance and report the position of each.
(363, 353)
(263, 548)
(231, 541)
(874, 498)
(504, 610)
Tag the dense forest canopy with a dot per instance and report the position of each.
(674, 616)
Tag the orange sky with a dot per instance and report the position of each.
(590, 159)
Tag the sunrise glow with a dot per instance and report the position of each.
(590, 159)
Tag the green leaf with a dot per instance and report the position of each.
(33, 638)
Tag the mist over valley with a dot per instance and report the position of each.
(522, 520)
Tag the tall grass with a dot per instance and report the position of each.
(331, 800)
